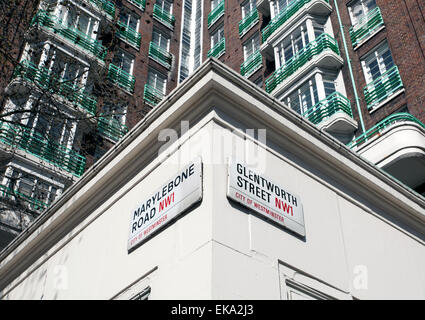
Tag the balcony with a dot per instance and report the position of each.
(139, 3)
(18, 136)
(323, 43)
(381, 90)
(121, 78)
(111, 128)
(163, 16)
(69, 34)
(252, 64)
(396, 144)
(218, 50)
(366, 27)
(66, 89)
(107, 6)
(290, 11)
(152, 96)
(248, 22)
(333, 114)
(129, 35)
(160, 55)
(31, 202)
(215, 14)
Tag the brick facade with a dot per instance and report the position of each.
(405, 33)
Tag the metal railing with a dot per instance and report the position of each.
(160, 55)
(106, 6)
(218, 49)
(33, 203)
(216, 13)
(111, 128)
(152, 95)
(139, 3)
(121, 78)
(129, 34)
(322, 43)
(164, 16)
(327, 107)
(40, 146)
(383, 87)
(252, 64)
(283, 16)
(71, 34)
(66, 89)
(366, 26)
(246, 23)
(377, 129)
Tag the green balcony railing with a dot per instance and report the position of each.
(283, 16)
(252, 64)
(34, 143)
(152, 95)
(66, 89)
(246, 23)
(164, 16)
(218, 49)
(73, 35)
(383, 87)
(106, 6)
(366, 26)
(139, 3)
(121, 78)
(111, 128)
(129, 35)
(322, 43)
(377, 129)
(327, 107)
(216, 13)
(33, 203)
(160, 55)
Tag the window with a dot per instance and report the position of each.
(217, 36)
(57, 130)
(259, 82)
(215, 3)
(280, 6)
(248, 7)
(191, 40)
(74, 18)
(115, 113)
(30, 188)
(251, 46)
(63, 69)
(129, 20)
(304, 97)
(124, 61)
(359, 9)
(329, 84)
(296, 284)
(157, 80)
(160, 39)
(144, 295)
(139, 289)
(377, 62)
(165, 6)
(292, 44)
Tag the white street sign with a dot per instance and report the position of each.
(177, 194)
(264, 196)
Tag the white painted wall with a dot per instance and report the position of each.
(219, 249)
